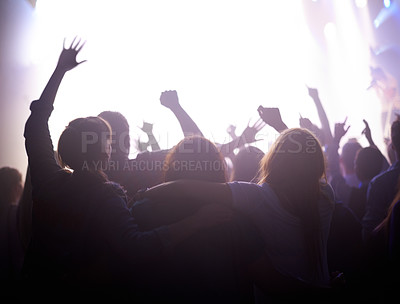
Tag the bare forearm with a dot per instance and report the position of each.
(188, 126)
(324, 120)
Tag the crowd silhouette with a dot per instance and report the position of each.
(203, 222)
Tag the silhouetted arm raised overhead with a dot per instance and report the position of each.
(313, 93)
(38, 142)
(169, 99)
(337, 181)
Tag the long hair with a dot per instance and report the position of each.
(197, 158)
(295, 168)
(83, 145)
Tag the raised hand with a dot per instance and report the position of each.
(367, 133)
(272, 117)
(340, 131)
(313, 93)
(305, 123)
(169, 99)
(249, 134)
(67, 60)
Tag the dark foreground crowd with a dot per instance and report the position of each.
(202, 222)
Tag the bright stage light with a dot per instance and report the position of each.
(387, 3)
(361, 3)
(330, 31)
(224, 58)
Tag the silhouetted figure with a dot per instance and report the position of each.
(368, 163)
(382, 189)
(210, 266)
(84, 240)
(144, 171)
(347, 157)
(290, 205)
(220, 264)
(11, 254)
(382, 255)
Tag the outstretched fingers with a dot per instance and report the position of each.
(72, 43)
(75, 45)
(81, 46)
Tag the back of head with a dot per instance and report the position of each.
(10, 185)
(348, 154)
(368, 163)
(85, 144)
(246, 164)
(195, 158)
(395, 135)
(120, 131)
(295, 161)
(293, 168)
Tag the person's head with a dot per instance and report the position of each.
(246, 164)
(295, 158)
(348, 155)
(85, 144)
(395, 136)
(10, 185)
(120, 132)
(195, 158)
(368, 163)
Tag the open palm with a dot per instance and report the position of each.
(67, 60)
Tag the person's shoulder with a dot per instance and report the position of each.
(52, 185)
(244, 186)
(113, 188)
(390, 174)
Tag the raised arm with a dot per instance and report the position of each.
(191, 189)
(38, 142)
(313, 93)
(169, 99)
(368, 135)
(337, 181)
(67, 61)
(307, 124)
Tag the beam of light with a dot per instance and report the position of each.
(350, 62)
(388, 11)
